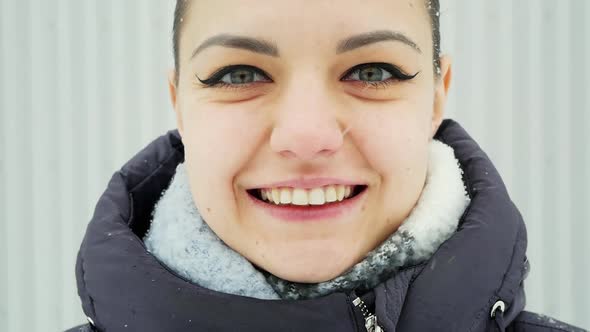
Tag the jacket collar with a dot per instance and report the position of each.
(182, 240)
(484, 262)
(122, 285)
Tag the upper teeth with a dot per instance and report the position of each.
(299, 196)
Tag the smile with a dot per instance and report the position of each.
(296, 204)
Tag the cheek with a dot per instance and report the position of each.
(218, 142)
(220, 135)
(395, 143)
(395, 139)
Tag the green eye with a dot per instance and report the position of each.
(377, 74)
(236, 75)
(373, 73)
(240, 76)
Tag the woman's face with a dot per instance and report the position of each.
(303, 110)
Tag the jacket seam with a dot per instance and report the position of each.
(540, 325)
(130, 198)
(160, 165)
(484, 309)
(130, 191)
(465, 175)
(471, 194)
(122, 173)
(171, 155)
(91, 301)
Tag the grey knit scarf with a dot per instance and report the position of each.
(179, 238)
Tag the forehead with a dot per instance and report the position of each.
(305, 24)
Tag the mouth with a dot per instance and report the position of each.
(295, 204)
(301, 197)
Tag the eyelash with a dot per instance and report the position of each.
(396, 75)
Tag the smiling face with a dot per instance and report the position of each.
(328, 95)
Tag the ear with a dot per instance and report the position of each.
(173, 98)
(441, 92)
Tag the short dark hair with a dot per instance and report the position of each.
(433, 7)
(179, 12)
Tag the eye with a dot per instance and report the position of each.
(377, 74)
(235, 76)
(373, 75)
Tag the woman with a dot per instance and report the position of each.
(311, 185)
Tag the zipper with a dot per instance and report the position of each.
(370, 318)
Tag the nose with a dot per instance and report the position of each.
(306, 127)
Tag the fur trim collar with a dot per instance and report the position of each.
(182, 240)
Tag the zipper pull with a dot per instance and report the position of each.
(370, 319)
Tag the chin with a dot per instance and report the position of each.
(309, 271)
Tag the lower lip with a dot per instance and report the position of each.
(309, 212)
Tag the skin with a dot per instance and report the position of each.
(291, 125)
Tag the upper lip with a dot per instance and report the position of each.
(309, 183)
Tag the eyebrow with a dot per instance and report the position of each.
(269, 48)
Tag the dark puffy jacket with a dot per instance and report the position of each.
(474, 281)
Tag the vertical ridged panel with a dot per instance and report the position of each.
(17, 183)
(521, 89)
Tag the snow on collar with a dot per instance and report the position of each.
(182, 240)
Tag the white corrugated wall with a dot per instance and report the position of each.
(83, 87)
